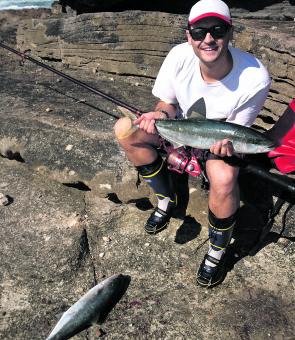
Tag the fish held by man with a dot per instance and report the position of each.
(91, 308)
(202, 133)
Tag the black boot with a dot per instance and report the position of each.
(159, 179)
(220, 232)
(208, 276)
(156, 223)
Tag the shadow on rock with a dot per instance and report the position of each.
(181, 187)
(142, 204)
(255, 313)
(256, 219)
(251, 223)
(188, 231)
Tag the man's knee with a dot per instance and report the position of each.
(124, 128)
(130, 136)
(222, 177)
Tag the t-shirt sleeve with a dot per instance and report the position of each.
(164, 84)
(250, 106)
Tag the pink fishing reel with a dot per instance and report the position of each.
(181, 160)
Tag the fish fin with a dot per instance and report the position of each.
(195, 114)
(127, 113)
(175, 144)
(125, 128)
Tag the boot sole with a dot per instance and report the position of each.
(202, 284)
(153, 232)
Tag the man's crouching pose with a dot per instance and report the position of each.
(233, 86)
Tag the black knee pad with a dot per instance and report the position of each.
(221, 223)
(158, 177)
(220, 230)
(150, 169)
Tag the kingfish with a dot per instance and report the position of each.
(203, 133)
(91, 308)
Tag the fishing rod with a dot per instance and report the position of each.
(280, 182)
(116, 101)
(283, 182)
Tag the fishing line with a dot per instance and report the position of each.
(24, 55)
(80, 101)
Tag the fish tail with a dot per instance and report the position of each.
(127, 113)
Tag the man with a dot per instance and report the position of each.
(231, 85)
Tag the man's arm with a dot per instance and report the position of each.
(162, 110)
(169, 108)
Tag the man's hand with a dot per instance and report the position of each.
(222, 148)
(146, 121)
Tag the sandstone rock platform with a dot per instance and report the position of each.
(74, 216)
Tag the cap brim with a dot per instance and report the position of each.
(212, 14)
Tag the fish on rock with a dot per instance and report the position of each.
(91, 308)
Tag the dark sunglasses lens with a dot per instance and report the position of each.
(198, 33)
(217, 32)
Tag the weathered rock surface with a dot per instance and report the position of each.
(44, 254)
(75, 215)
(56, 244)
(135, 44)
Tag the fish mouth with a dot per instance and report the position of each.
(121, 282)
(263, 149)
(125, 280)
(120, 285)
(271, 147)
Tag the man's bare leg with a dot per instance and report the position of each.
(224, 201)
(224, 195)
(140, 149)
(137, 144)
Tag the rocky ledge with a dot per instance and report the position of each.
(72, 214)
(134, 44)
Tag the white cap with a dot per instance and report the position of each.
(209, 8)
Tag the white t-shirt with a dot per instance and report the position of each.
(238, 97)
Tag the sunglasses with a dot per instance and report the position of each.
(217, 32)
